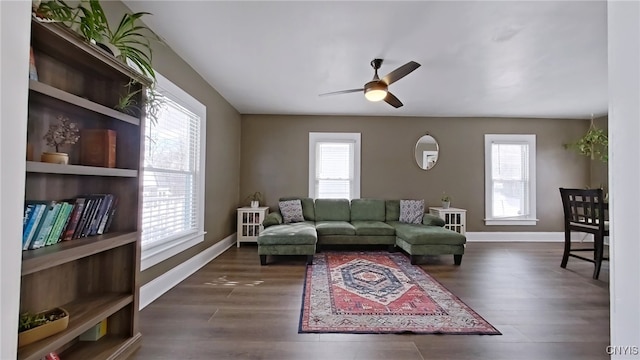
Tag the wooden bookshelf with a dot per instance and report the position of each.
(94, 277)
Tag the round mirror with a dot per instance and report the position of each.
(426, 152)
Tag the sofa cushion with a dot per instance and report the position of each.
(428, 219)
(372, 228)
(411, 211)
(334, 228)
(272, 218)
(291, 211)
(367, 209)
(333, 210)
(392, 210)
(427, 235)
(302, 233)
(308, 208)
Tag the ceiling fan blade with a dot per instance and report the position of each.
(400, 72)
(392, 100)
(341, 92)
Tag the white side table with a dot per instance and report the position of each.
(454, 219)
(250, 223)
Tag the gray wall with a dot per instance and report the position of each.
(275, 160)
(222, 154)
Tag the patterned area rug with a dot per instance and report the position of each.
(380, 292)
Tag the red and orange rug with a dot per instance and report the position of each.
(380, 292)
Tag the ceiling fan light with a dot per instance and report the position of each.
(375, 91)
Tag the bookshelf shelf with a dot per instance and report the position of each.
(83, 314)
(102, 349)
(48, 168)
(56, 93)
(66, 251)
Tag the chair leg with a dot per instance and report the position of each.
(599, 254)
(414, 259)
(567, 248)
(309, 259)
(263, 259)
(457, 259)
(392, 248)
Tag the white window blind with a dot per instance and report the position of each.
(510, 179)
(334, 165)
(173, 189)
(334, 173)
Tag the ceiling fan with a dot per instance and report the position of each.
(377, 89)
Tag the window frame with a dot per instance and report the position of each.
(152, 254)
(335, 137)
(490, 139)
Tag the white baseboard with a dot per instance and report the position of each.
(526, 236)
(163, 283)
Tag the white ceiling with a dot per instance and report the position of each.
(479, 58)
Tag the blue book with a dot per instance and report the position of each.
(32, 225)
(45, 227)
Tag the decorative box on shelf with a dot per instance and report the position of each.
(454, 219)
(250, 223)
(98, 147)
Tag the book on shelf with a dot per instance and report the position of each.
(74, 219)
(45, 225)
(63, 215)
(35, 216)
(49, 222)
(33, 72)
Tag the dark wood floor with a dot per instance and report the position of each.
(233, 308)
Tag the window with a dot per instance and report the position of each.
(334, 165)
(510, 179)
(173, 175)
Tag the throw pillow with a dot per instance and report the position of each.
(411, 211)
(291, 211)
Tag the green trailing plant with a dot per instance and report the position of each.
(445, 197)
(153, 102)
(130, 39)
(127, 102)
(593, 144)
(58, 10)
(93, 21)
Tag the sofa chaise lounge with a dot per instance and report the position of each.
(359, 221)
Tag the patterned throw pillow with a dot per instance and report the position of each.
(291, 211)
(411, 211)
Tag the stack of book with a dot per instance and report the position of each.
(49, 222)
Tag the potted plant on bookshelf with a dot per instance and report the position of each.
(128, 42)
(34, 327)
(255, 198)
(446, 200)
(63, 133)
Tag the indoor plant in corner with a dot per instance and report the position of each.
(255, 198)
(34, 327)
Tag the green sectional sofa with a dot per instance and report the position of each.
(361, 222)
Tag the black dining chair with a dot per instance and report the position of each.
(586, 211)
